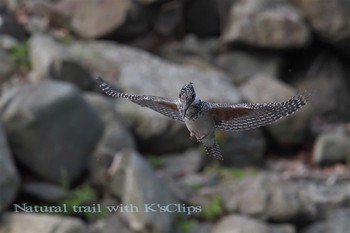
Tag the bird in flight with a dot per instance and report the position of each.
(202, 118)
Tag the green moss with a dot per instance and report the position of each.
(228, 173)
(20, 54)
(214, 210)
(83, 195)
(185, 225)
(156, 161)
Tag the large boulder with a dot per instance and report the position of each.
(268, 197)
(51, 128)
(266, 23)
(242, 224)
(7, 66)
(332, 147)
(115, 137)
(133, 178)
(337, 222)
(50, 59)
(9, 177)
(143, 73)
(32, 222)
(329, 20)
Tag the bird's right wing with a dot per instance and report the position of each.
(249, 116)
(165, 106)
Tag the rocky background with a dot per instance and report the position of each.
(63, 142)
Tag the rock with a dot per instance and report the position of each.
(152, 75)
(9, 25)
(332, 147)
(268, 197)
(113, 224)
(289, 131)
(241, 65)
(32, 222)
(242, 224)
(51, 60)
(271, 24)
(51, 129)
(328, 193)
(96, 19)
(9, 177)
(327, 76)
(335, 28)
(114, 138)
(7, 66)
(44, 191)
(202, 17)
(243, 148)
(132, 176)
(168, 18)
(188, 162)
(337, 222)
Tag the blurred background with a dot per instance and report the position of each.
(64, 143)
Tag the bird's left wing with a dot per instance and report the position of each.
(249, 116)
(165, 106)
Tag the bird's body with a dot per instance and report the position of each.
(202, 118)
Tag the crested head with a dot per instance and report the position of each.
(186, 97)
(187, 93)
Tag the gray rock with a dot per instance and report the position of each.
(140, 185)
(44, 191)
(242, 224)
(327, 194)
(332, 147)
(51, 129)
(288, 131)
(7, 66)
(9, 177)
(328, 92)
(241, 66)
(335, 28)
(32, 222)
(51, 60)
(268, 197)
(9, 25)
(151, 75)
(168, 18)
(337, 222)
(185, 163)
(114, 138)
(266, 23)
(96, 19)
(113, 224)
(244, 148)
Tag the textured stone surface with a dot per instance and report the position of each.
(332, 147)
(134, 178)
(268, 197)
(9, 177)
(51, 128)
(115, 137)
(267, 24)
(34, 223)
(50, 59)
(96, 19)
(242, 224)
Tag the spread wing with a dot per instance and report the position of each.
(249, 116)
(165, 106)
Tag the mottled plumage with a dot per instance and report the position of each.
(202, 118)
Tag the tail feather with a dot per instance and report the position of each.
(214, 151)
